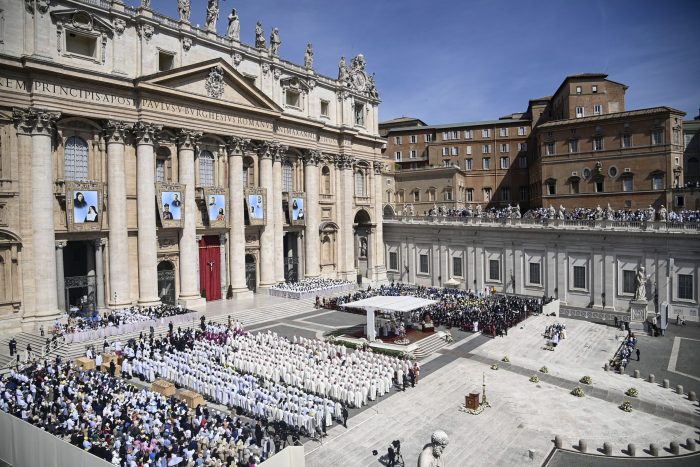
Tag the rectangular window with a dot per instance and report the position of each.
(486, 163)
(424, 264)
(676, 136)
(428, 137)
(166, 61)
(455, 151)
(468, 134)
(629, 281)
(522, 162)
(445, 136)
(579, 90)
(413, 154)
(685, 287)
(416, 196)
(503, 131)
(397, 139)
(535, 273)
(445, 151)
(551, 188)
(486, 149)
(573, 146)
(680, 201)
(524, 193)
(470, 195)
(414, 139)
(657, 182)
(359, 115)
(597, 109)
(627, 184)
(394, 260)
(599, 188)
(521, 131)
(468, 164)
(160, 170)
(469, 150)
(505, 147)
(522, 147)
(486, 133)
(457, 266)
(448, 195)
(79, 44)
(487, 194)
(574, 187)
(549, 149)
(594, 89)
(626, 141)
(292, 98)
(494, 270)
(579, 112)
(455, 135)
(579, 277)
(397, 155)
(657, 137)
(598, 143)
(505, 162)
(324, 108)
(505, 193)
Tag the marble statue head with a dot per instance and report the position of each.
(439, 440)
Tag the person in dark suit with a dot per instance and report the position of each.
(344, 413)
(167, 215)
(176, 200)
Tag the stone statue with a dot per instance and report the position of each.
(372, 87)
(651, 213)
(641, 293)
(552, 212)
(259, 36)
(212, 15)
(343, 75)
(183, 8)
(411, 211)
(363, 247)
(562, 212)
(518, 214)
(275, 42)
(478, 210)
(431, 456)
(234, 26)
(309, 56)
(662, 213)
(598, 213)
(609, 214)
(146, 4)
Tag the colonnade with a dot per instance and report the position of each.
(42, 256)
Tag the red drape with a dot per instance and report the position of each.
(210, 267)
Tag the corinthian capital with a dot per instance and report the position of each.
(311, 156)
(115, 131)
(35, 121)
(268, 149)
(146, 133)
(188, 139)
(237, 145)
(278, 152)
(344, 161)
(379, 167)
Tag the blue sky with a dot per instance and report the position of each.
(449, 61)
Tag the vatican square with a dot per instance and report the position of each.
(322, 233)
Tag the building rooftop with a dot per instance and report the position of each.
(461, 125)
(595, 118)
(400, 120)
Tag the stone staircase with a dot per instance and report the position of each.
(430, 345)
(249, 318)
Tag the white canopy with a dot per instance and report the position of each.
(391, 303)
(400, 303)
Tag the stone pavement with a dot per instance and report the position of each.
(524, 416)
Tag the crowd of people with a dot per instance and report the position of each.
(554, 333)
(482, 311)
(311, 285)
(119, 317)
(624, 354)
(127, 425)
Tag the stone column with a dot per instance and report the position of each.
(43, 200)
(340, 209)
(145, 134)
(278, 212)
(120, 292)
(379, 263)
(23, 119)
(346, 164)
(60, 278)
(223, 264)
(189, 253)
(267, 236)
(99, 274)
(236, 231)
(312, 260)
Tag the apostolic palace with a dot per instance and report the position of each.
(145, 160)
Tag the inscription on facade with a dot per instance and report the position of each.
(295, 131)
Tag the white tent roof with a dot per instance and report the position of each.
(391, 303)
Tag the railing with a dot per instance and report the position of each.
(326, 198)
(362, 200)
(660, 226)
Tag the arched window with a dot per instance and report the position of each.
(162, 156)
(359, 183)
(206, 168)
(287, 180)
(326, 177)
(75, 159)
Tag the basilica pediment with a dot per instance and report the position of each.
(213, 79)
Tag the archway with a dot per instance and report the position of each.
(388, 211)
(363, 242)
(166, 282)
(251, 272)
